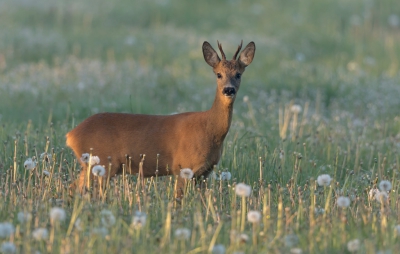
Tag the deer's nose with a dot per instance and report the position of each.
(229, 91)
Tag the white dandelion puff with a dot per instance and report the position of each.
(139, 219)
(182, 233)
(225, 176)
(29, 164)
(57, 214)
(94, 160)
(40, 234)
(46, 173)
(218, 249)
(46, 157)
(385, 185)
(291, 240)
(295, 108)
(324, 180)
(372, 193)
(8, 247)
(381, 196)
(186, 173)
(6, 229)
(243, 190)
(24, 217)
(78, 224)
(85, 158)
(107, 218)
(343, 201)
(254, 216)
(296, 251)
(98, 170)
(353, 245)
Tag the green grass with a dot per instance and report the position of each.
(61, 61)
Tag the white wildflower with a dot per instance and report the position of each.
(324, 180)
(353, 245)
(343, 201)
(254, 216)
(225, 176)
(218, 249)
(182, 233)
(29, 164)
(107, 218)
(186, 173)
(381, 196)
(6, 229)
(291, 240)
(243, 190)
(295, 109)
(8, 247)
(85, 158)
(296, 251)
(24, 216)
(98, 170)
(385, 185)
(139, 220)
(40, 234)
(57, 214)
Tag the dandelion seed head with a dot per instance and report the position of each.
(186, 173)
(243, 190)
(385, 185)
(253, 216)
(24, 217)
(8, 248)
(295, 109)
(291, 240)
(353, 245)
(139, 220)
(6, 229)
(78, 224)
(296, 251)
(343, 201)
(218, 249)
(29, 164)
(243, 238)
(40, 234)
(381, 196)
(103, 232)
(324, 180)
(57, 214)
(319, 210)
(182, 233)
(225, 176)
(46, 157)
(85, 158)
(94, 160)
(372, 193)
(98, 170)
(107, 218)
(46, 173)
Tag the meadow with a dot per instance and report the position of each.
(311, 161)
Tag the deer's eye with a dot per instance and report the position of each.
(219, 75)
(238, 76)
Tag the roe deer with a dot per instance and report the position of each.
(170, 142)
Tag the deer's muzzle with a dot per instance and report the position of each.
(229, 91)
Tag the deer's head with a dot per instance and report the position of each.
(229, 72)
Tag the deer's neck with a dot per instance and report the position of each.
(219, 118)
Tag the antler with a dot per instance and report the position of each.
(220, 49)
(237, 51)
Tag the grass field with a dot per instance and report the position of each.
(322, 97)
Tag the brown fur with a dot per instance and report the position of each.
(189, 140)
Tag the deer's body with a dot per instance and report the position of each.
(189, 140)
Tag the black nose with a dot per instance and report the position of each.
(229, 91)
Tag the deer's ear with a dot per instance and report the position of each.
(210, 55)
(247, 55)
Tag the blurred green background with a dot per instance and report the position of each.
(65, 59)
